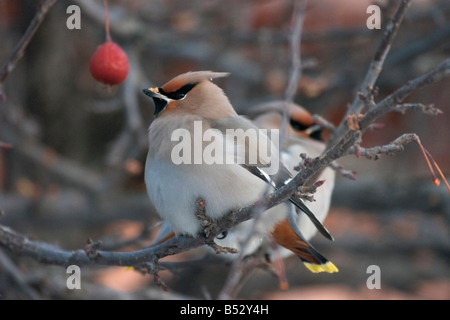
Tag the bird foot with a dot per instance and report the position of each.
(219, 249)
(206, 222)
(208, 225)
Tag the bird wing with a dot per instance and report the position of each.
(277, 180)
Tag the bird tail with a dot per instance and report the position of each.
(312, 259)
(315, 262)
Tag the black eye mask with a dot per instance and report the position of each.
(180, 93)
(160, 102)
(297, 126)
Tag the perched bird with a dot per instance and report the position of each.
(191, 115)
(303, 137)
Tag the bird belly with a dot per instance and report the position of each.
(174, 189)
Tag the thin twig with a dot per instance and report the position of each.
(296, 63)
(374, 69)
(323, 122)
(391, 102)
(25, 40)
(349, 174)
(8, 267)
(425, 108)
(107, 33)
(389, 149)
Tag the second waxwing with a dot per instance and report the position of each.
(193, 115)
(302, 137)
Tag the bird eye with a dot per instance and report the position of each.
(297, 126)
(179, 96)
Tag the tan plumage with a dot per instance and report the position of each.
(174, 188)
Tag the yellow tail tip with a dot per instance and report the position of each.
(326, 267)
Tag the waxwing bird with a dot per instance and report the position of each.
(189, 158)
(303, 137)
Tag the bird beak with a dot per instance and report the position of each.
(152, 92)
(160, 100)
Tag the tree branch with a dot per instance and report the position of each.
(8, 267)
(390, 149)
(25, 40)
(391, 102)
(374, 69)
(50, 254)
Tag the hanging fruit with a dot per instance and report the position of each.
(109, 63)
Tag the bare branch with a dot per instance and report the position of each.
(374, 69)
(25, 40)
(350, 174)
(323, 122)
(389, 149)
(49, 254)
(296, 64)
(427, 109)
(8, 267)
(391, 102)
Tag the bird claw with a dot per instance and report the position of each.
(208, 225)
(219, 249)
(206, 222)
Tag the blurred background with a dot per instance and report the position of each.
(75, 167)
